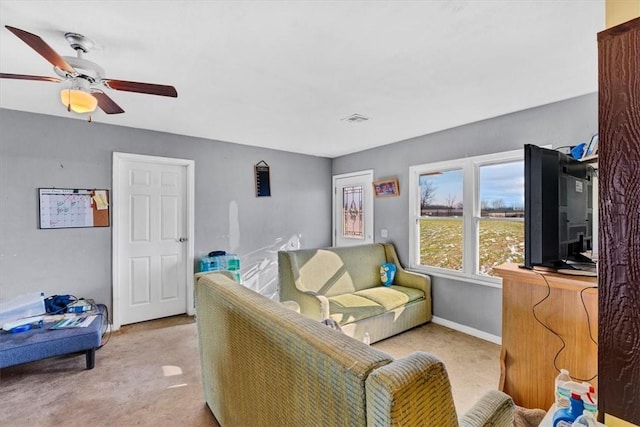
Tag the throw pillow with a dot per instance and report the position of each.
(387, 273)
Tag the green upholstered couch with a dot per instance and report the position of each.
(343, 283)
(266, 365)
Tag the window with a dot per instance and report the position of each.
(441, 219)
(352, 199)
(501, 221)
(467, 215)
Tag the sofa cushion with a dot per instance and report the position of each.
(337, 271)
(391, 297)
(347, 308)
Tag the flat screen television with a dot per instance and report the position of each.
(558, 205)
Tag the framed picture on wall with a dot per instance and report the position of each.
(386, 187)
(263, 179)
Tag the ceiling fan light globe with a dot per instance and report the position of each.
(78, 101)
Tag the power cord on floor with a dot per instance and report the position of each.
(107, 327)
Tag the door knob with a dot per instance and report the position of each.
(182, 239)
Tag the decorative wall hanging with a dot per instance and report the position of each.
(263, 180)
(386, 187)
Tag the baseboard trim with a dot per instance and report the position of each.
(467, 330)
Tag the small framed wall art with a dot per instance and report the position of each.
(386, 187)
(263, 179)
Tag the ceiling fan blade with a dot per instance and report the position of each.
(107, 104)
(42, 48)
(27, 77)
(148, 88)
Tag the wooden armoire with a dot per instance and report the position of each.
(619, 222)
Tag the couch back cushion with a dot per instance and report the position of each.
(264, 364)
(335, 271)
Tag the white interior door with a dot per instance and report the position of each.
(353, 208)
(152, 245)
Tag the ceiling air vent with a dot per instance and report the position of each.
(356, 118)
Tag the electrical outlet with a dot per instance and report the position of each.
(384, 233)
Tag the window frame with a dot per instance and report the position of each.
(471, 212)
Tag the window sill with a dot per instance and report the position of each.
(492, 282)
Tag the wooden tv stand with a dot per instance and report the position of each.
(529, 349)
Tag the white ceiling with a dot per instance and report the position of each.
(284, 74)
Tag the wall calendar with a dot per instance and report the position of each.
(73, 208)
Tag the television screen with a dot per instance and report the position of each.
(558, 210)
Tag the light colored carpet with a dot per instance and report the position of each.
(149, 375)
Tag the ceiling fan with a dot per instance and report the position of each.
(85, 92)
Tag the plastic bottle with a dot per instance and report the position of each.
(566, 416)
(217, 260)
(366, 339)
(586, 419)
(205, 263)
(562, 393)
(233, 262)
(590, 399)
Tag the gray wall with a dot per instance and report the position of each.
(563, 123)
(45, 151)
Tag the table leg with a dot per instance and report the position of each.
(91, 358)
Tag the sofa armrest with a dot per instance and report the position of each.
(404, 277)
(315, 305)
(324, 306)
(288, 290)
(413, 280)
(310, 303)
(413, 390)
(495, 408)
